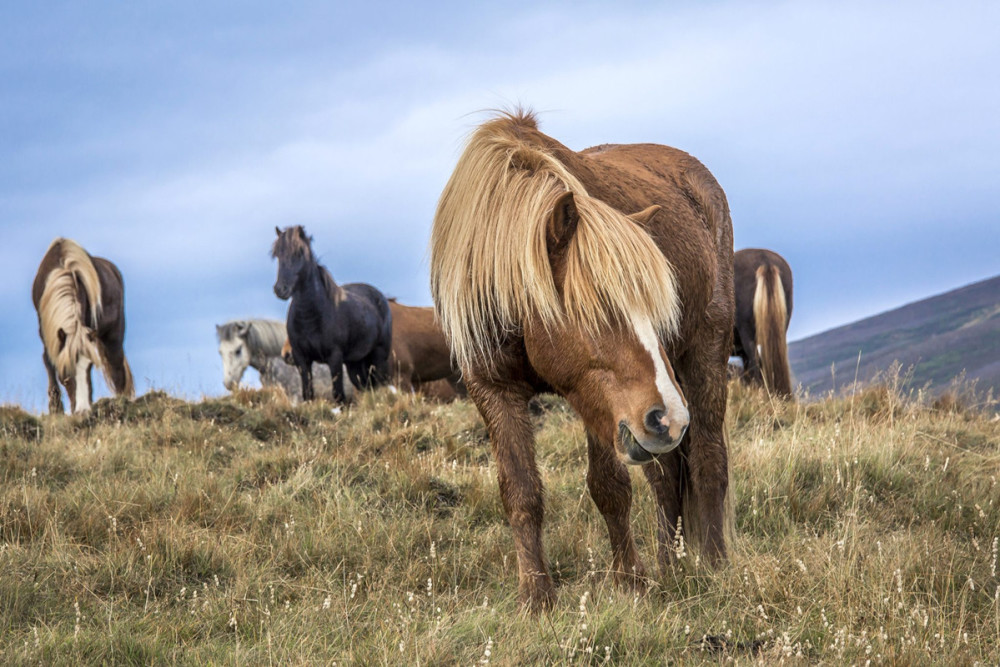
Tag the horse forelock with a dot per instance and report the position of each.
(490, 269)
(292, 240)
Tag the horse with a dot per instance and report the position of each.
(763, 287)
(80, 301)
(338, 325)
(421, 359)
(256, 343)
(420, 352)
(604, 276)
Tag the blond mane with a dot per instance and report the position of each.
(490, 268)
(60, 310)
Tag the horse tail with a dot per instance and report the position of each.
(770, 315)
(62, 322)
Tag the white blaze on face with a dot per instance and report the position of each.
(677, 413)
(235, 359)
(82, 386)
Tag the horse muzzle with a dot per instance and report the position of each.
(639, 451)
(283, 292)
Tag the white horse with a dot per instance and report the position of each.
(257, 344)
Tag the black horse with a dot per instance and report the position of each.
(337, 325)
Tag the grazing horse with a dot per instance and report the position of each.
(421, 359)
(257, 344)
(763, 286)
(80, 302)
(337, 325)
(544, 282)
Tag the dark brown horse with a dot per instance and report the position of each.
(763, 284)
(80, 302)
(544, 282)
(421, 360)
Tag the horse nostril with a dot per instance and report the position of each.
(656, 421)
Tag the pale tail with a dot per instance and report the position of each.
(60, 310)
(770, 316)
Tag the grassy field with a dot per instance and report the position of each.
(247, 531)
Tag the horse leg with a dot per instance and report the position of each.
(707, 470)
(78, 387)
(664, 477)
(55, 393)
(751, 361)
(336, 364)
(306, 374)
(504, 407)
(611, 488)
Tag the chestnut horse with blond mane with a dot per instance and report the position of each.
(80, 302)
(606, 277)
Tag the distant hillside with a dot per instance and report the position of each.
(939, 337)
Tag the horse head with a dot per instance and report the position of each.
(293, 251)
(617, 375)
(235, 352)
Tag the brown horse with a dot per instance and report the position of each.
(420, 360)
(542, 282)
(763, 283)
(80, 302)
(420, 353)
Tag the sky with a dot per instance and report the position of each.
(861, 140)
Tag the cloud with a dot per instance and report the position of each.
(829, 126)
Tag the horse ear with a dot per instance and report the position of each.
(645, 215)
(277, 231)
(562, 223)
(243, 328)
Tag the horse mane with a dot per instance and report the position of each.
(265, 336)
(60, 309)
(490, 268)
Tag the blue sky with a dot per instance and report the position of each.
(860, 140)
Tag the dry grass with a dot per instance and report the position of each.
(246, 531)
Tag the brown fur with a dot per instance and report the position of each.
(80, 304)
(543, 283)
(421, 360)
(763, 290)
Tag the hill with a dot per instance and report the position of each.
(246, 531)
(940, 338)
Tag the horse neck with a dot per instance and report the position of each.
(269, 349)
(313, 285)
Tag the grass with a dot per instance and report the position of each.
(247, 531)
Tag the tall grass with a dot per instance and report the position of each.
(246, 531)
